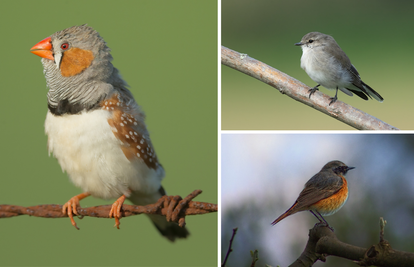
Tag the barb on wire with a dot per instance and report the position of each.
(174, 208)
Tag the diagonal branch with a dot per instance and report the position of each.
(174, 208)
(299, 91)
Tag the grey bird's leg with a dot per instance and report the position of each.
(333, 99)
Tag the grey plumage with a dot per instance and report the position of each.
(328, 65)
(88, 86)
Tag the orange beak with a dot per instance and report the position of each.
(43, 49)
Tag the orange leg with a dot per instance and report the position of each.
(116, 210)
(72, 206)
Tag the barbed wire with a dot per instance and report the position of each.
(174, 208)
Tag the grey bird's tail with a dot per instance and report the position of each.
(362, 89)
(372, 92)
(170, 230)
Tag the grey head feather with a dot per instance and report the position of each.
(327, 43)
(94, 83)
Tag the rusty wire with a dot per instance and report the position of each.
(174, 208)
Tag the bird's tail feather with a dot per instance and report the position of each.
(170, 230)
(290, 211)
(372, 92)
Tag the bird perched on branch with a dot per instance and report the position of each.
(324, 194)
(95, 128)
(328, 65)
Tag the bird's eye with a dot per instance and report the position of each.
(310, 40)
(64, 46)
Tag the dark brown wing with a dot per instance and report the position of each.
(320, 186)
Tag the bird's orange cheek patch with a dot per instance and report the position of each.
(74, 61)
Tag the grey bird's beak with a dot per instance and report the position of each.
(299, 44)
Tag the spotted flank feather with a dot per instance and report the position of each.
(128, 129)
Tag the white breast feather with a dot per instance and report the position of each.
(327, 72)
(89, 152)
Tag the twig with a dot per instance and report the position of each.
(299, 91)
(173, 207)
(255, 257)
(382, 226)
(230, 249)
(382, 253)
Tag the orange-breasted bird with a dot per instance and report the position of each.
(324, 194)
(95, 128)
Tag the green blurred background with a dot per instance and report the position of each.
(167, 52)
(375, 34)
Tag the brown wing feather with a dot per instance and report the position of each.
(320, 186)
(316, 189)
(128, 126)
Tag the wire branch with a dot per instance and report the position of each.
(299, 91)
(174, 208)
(323, 242)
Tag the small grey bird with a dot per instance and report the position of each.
(329, 66)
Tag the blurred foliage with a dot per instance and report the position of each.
(374, 33)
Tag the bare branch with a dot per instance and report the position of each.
(382, 227)
(230, 249)
(174, 208)
(299, 91)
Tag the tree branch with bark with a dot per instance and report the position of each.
(323, 242)
(299, 91)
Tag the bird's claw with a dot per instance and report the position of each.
(115, 211)
(312, 91)
(72, 208)
(333, 100)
